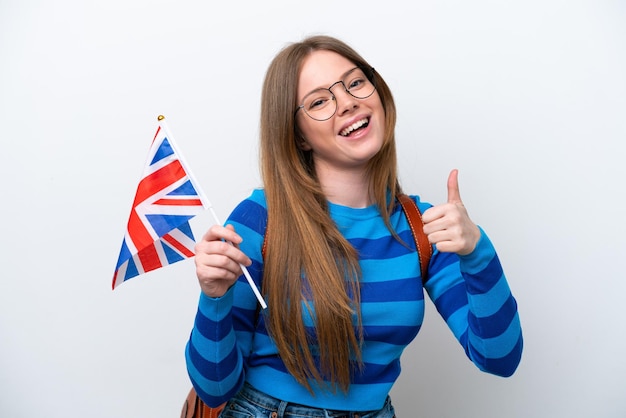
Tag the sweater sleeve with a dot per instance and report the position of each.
(473, 296)
(223, 331)
(214, 359)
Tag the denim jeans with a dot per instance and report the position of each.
(252, 403)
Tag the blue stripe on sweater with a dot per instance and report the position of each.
(212, 330)
(377, 351)
(245, 318)
(479, 282)
(442, 261)
(203, 385)
(496, 324)
(201, 369)
(392, 314)
(457, 322)
(498, 346)
(400, 290)
(370, 249)
(439, 282)
(379, 373)
(402, 335)
(251, 214)
(488, 303)
(504, 366)
(453, 299)
(402, 267)
(212, 347)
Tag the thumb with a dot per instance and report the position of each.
(454, 196)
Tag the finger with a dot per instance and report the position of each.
(226, 233)
(434, 213)
(234, 239)
(432, 219)
(225, 262)
(454, 196)
(229, 250)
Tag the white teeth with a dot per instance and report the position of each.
(356, 125)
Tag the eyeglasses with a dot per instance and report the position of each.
(321, 103)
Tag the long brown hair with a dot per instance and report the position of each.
(310, 270)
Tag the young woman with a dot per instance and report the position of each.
(332, 251)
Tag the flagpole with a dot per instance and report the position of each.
(207, 204)
(205, 201)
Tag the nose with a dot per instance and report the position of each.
(344, 100)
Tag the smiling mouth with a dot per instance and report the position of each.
(355, 126)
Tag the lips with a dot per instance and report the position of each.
(355, 126)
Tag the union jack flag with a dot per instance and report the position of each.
(158, 231)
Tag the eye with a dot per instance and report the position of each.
(317, 103)
(356, 81)
(355, 84)
(318, 100)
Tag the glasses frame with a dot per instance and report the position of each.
(368, 74)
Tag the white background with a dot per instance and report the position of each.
(526, 98)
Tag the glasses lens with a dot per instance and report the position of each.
(359, 84)
(320, 104)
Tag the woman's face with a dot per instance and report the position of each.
(355, 133)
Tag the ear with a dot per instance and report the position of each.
(303, 144)
(301, 140)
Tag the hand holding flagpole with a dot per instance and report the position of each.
(158, 231)
(207, 204)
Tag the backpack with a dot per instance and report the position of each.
(195, 408)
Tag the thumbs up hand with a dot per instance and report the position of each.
(448, 225)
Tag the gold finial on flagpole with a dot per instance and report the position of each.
(161, 117)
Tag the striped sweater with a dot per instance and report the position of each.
(228, 345)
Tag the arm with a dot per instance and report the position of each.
(214, 360)
(472, 295)
(469, 288)
(222, 336)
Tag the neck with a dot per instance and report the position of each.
(345, 187)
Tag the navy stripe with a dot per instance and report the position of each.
(401, 335)
(496, 324)
(504, 366)
(384, 247)
(483, 281)
(243, 319)
(440, 261)
(208, 369)
(383, 373)
(251, 214)
(213, 330)
(274, 362)
(401, 290)
(451, 300)
(214, 401)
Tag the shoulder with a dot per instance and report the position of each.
(258, 196)
(254, 203)
(251, 212)
(421, 205)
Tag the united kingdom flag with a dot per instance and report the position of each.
(158, 231)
